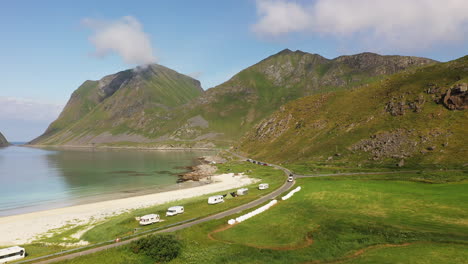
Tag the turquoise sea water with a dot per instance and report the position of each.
(33, 179)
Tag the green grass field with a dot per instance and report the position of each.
(407, 218)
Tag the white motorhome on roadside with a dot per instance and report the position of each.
(149, 219)
(174, 210)
(242, 191)
(263, 186)
(11, 254)
(215, 199)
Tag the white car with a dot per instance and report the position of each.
(290, 179)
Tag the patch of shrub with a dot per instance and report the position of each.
(161, 248)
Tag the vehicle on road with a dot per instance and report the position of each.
(175, 210)
(290, 178)
(215, 199)
(149, 219)
(11, 254)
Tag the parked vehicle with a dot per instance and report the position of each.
(263, 186)
(149, 219)
(215, 199)
(242, 191)
(175, 210)
(11, 254)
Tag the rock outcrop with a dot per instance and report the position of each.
(3, 141)
(456, 98)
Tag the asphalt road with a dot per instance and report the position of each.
(286, 186)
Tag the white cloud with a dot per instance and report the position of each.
(124, 37)
(382, 23)
(195, 75)
(12, 108)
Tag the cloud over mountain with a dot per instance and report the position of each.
(124, 37)
(386, 24)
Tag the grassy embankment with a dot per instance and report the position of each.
(125, 224)
(406, 218)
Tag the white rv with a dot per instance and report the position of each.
(149, 219)
(215, 199)
(174, 210)
(242, 191)
(263, 186)
(11, 254)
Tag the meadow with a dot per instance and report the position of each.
(394, 218)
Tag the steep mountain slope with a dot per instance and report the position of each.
(119, 106)
(229, 110)
(3, 141)
(158, 107)
(418, 116)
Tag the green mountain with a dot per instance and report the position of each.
(415, 117)
(3, 141)
(172, 111)
(120, 107)
(234, 107)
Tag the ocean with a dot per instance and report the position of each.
(33, 179)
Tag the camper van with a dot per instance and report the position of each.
(11, 254)
(242, 191)
(174, 210)
(149, 219)
(215, 199)
(263, 186)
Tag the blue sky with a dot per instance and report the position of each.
(46, 53)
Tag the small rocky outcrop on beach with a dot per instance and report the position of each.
(3, 141)
(203, 170)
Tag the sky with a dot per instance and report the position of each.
(48, 48)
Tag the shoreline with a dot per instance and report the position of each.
(24, 228)
(119, 147)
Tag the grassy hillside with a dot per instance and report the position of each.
(158, 107)
(399, 119)
(234, 107)
(122, 104)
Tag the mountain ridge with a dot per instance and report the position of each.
(218, 116)
(416, 116)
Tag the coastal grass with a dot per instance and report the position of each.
(349, 219)
(418, 253)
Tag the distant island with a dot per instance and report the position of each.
(3, 141)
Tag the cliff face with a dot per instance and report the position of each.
(3, 141)
(417, 116)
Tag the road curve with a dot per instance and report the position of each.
(286, 186)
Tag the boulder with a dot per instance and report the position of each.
(456, 98)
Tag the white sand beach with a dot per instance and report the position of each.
(21, 229)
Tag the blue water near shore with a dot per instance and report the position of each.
(33, 179)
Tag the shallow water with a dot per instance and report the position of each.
(33, 179)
